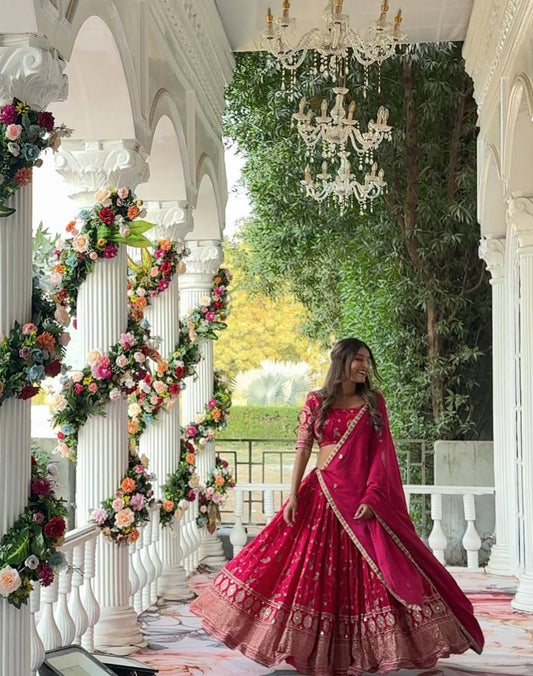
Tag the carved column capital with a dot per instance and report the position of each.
(173, 219)
(205, 257)
(88, 165)
(31, 70)
(520, 218)
(492, 251)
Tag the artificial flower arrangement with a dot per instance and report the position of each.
(215, 415)
(159, 390)
(153, 274)
(120, 516)
(97, 233)
(107, 377)
(29, 549)
(31, 351)
(24, 134)
(180, 486)
(210, 499)
(209, 316)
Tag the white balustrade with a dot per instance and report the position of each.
(67, 608)
(154, 553)
(437, 539)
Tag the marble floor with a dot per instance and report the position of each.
(177, 645)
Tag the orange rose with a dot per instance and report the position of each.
(216, 413)
(70, 226)
(165, 244)
(141, 302)
(133, 212)
(190, 458)
(132, 427)
(128, 485)
(217, 279)
(59, 268)
(219, 480)
(162, 366)
(133, 536)
(46, 341)
(168, 505)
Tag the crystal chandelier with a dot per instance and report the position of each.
(338, 129)
(344, 186)
(332, 42)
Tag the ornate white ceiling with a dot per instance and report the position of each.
(424, 20)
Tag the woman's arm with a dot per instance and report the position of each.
(303, 446)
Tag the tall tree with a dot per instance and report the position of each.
(405, 275)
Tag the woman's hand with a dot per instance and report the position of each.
(289, 513)
(363, 512)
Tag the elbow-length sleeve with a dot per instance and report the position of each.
(306, 422)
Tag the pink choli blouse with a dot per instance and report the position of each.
(334, 426)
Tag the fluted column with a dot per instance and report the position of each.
(33, 72)
(197, 282)
(103, 441)
(492, 251)
(520, 217)
(161, 441)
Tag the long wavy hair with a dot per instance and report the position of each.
(342, 355)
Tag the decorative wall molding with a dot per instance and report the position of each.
(205, 259)
(492, 251)
(520, 218)
(173, 218)
(31, 70)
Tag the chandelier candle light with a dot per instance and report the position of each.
(332, 42)
(345, 185)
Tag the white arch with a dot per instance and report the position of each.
(491, 203)
(518, 138)
(102, 81)
(170, 176)
(209, 217)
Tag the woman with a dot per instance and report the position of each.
(339, 583)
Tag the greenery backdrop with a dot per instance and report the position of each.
(406, 277)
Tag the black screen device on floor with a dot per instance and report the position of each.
(75, 661)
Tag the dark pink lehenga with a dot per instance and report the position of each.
(334, 598)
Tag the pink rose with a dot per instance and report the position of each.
(93, 387)
(93, 255)
(115, 394)
(127, 340)
(139, 357)
(154, 272)
(122, 361)
(29, 328)
(123, 192)
(64, 338)
(191, 431)
(213, 403)
(13, 131)
(137, 501)
(99, 515)
(118, 504)
(78, 387)
(216, 498)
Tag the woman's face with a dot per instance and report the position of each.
(360, 366)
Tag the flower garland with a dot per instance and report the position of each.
(218, 482)
(160, 389)
(95, 234)
(32, 351)
(107, 377)
(153, 274)
(24, 134)
(28, 551)
(120, 516)
(180, 486)
(195, 436)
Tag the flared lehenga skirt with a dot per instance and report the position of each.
(304, 594)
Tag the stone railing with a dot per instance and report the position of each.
(437, 539)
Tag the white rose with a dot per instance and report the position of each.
(94, 356)
(205, 300)
(56, 402)
(77, 376)
(159, 386)
(139, 357)
(141, 292)
(115, 394)
(183, 505)
(134, 410)
(200, 418)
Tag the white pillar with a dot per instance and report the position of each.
(492, 251)
(103, 441)
(520, 217)
(33, 72)
(197, 282)
(160, 442)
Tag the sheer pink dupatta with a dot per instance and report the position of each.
(363, 468)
